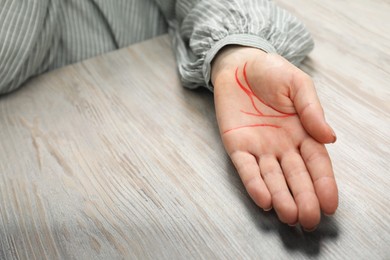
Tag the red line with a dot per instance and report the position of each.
(249, 93)
(250, 114)
(270, 116)
(247, 82)
(254, 125)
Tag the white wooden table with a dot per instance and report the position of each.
(111, 158)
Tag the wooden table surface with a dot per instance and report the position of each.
(111, 158)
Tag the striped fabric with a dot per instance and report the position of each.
(40, 35)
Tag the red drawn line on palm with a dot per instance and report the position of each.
(252, 96)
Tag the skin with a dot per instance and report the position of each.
(287, 167)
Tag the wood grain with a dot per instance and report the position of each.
(111, 158)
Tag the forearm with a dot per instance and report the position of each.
(202, 28)
(26, 36)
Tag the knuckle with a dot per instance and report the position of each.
(316, 156)
(271, 173)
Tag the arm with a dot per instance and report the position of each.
(201, 28)
(270, 118)
(27, 36)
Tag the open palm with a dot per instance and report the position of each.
(273, 128)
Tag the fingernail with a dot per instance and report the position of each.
(329, 215)
(310, 229)
(267, 209)
(293, 225)
(334, 135)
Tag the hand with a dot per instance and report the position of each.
(273, 128)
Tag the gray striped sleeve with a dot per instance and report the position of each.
(27, 32)
(39, 35)
(201, 28)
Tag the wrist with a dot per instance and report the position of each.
(228, 58)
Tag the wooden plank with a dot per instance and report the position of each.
(111, 158)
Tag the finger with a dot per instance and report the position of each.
(248, 169)
(301, 186)
(282, 200)
(320, 168)
(310, 111)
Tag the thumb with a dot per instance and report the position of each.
(309, 109)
